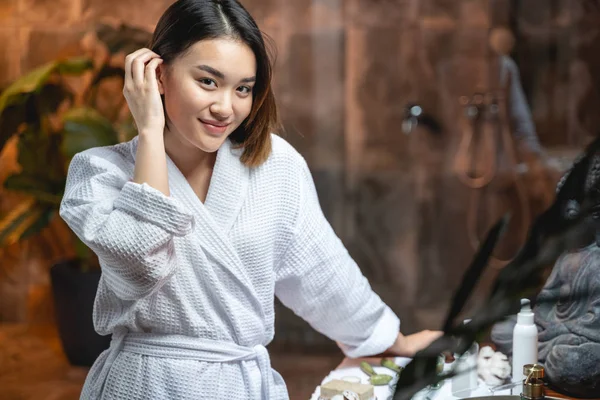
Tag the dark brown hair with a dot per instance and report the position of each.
(186, 22)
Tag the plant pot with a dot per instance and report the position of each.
(74, 292)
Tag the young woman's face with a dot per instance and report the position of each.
(208, 91)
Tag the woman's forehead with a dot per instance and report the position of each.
(233, 58)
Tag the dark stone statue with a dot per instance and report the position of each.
(567, 314)
(569, 330)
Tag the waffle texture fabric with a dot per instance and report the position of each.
(188, 287)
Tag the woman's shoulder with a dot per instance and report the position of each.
(124, 150)
(282, 175)
(284, 157)
(285, 171)
(117, 158)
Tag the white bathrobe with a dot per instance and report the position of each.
(187, 288)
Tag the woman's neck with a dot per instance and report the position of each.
(189, 159)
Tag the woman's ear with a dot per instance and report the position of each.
(160, 77)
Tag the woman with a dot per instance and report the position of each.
(205, 216)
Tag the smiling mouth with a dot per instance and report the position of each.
(214, 123)
(214, 128)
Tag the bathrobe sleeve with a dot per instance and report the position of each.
(129, 226)
(321, 283)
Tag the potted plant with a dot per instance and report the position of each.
(54, 112)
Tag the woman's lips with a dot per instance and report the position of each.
(213, 127)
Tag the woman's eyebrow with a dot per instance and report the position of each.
(221, 75)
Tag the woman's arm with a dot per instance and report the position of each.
(130, 226)
(409, 345)
(151, 162)
(321, 283)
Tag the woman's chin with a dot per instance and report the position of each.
(209, 143)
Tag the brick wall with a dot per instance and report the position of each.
(344, 72)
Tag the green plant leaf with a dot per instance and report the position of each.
(40, 188)
(74, 66)
(26, 84)
(18, 221)
(32, 148)
(50, 97)
(85, 128)
(40, 157)
(10, 121)
(44, 219)
(14, 98)
(15, 102)
(36, 79)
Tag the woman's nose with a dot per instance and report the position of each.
(222, 107)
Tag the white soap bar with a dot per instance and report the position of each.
(336, 386)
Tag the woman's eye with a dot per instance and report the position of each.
(245, 89)
(207, 82)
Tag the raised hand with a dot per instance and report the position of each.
(142, 93)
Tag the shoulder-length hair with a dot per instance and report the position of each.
(186, 22)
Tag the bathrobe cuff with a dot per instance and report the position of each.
(151, 205)
(383, 337)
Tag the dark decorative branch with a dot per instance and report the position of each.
(561, 228)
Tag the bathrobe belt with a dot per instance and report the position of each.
(189, 348)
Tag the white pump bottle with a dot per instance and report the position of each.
(525, 341)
